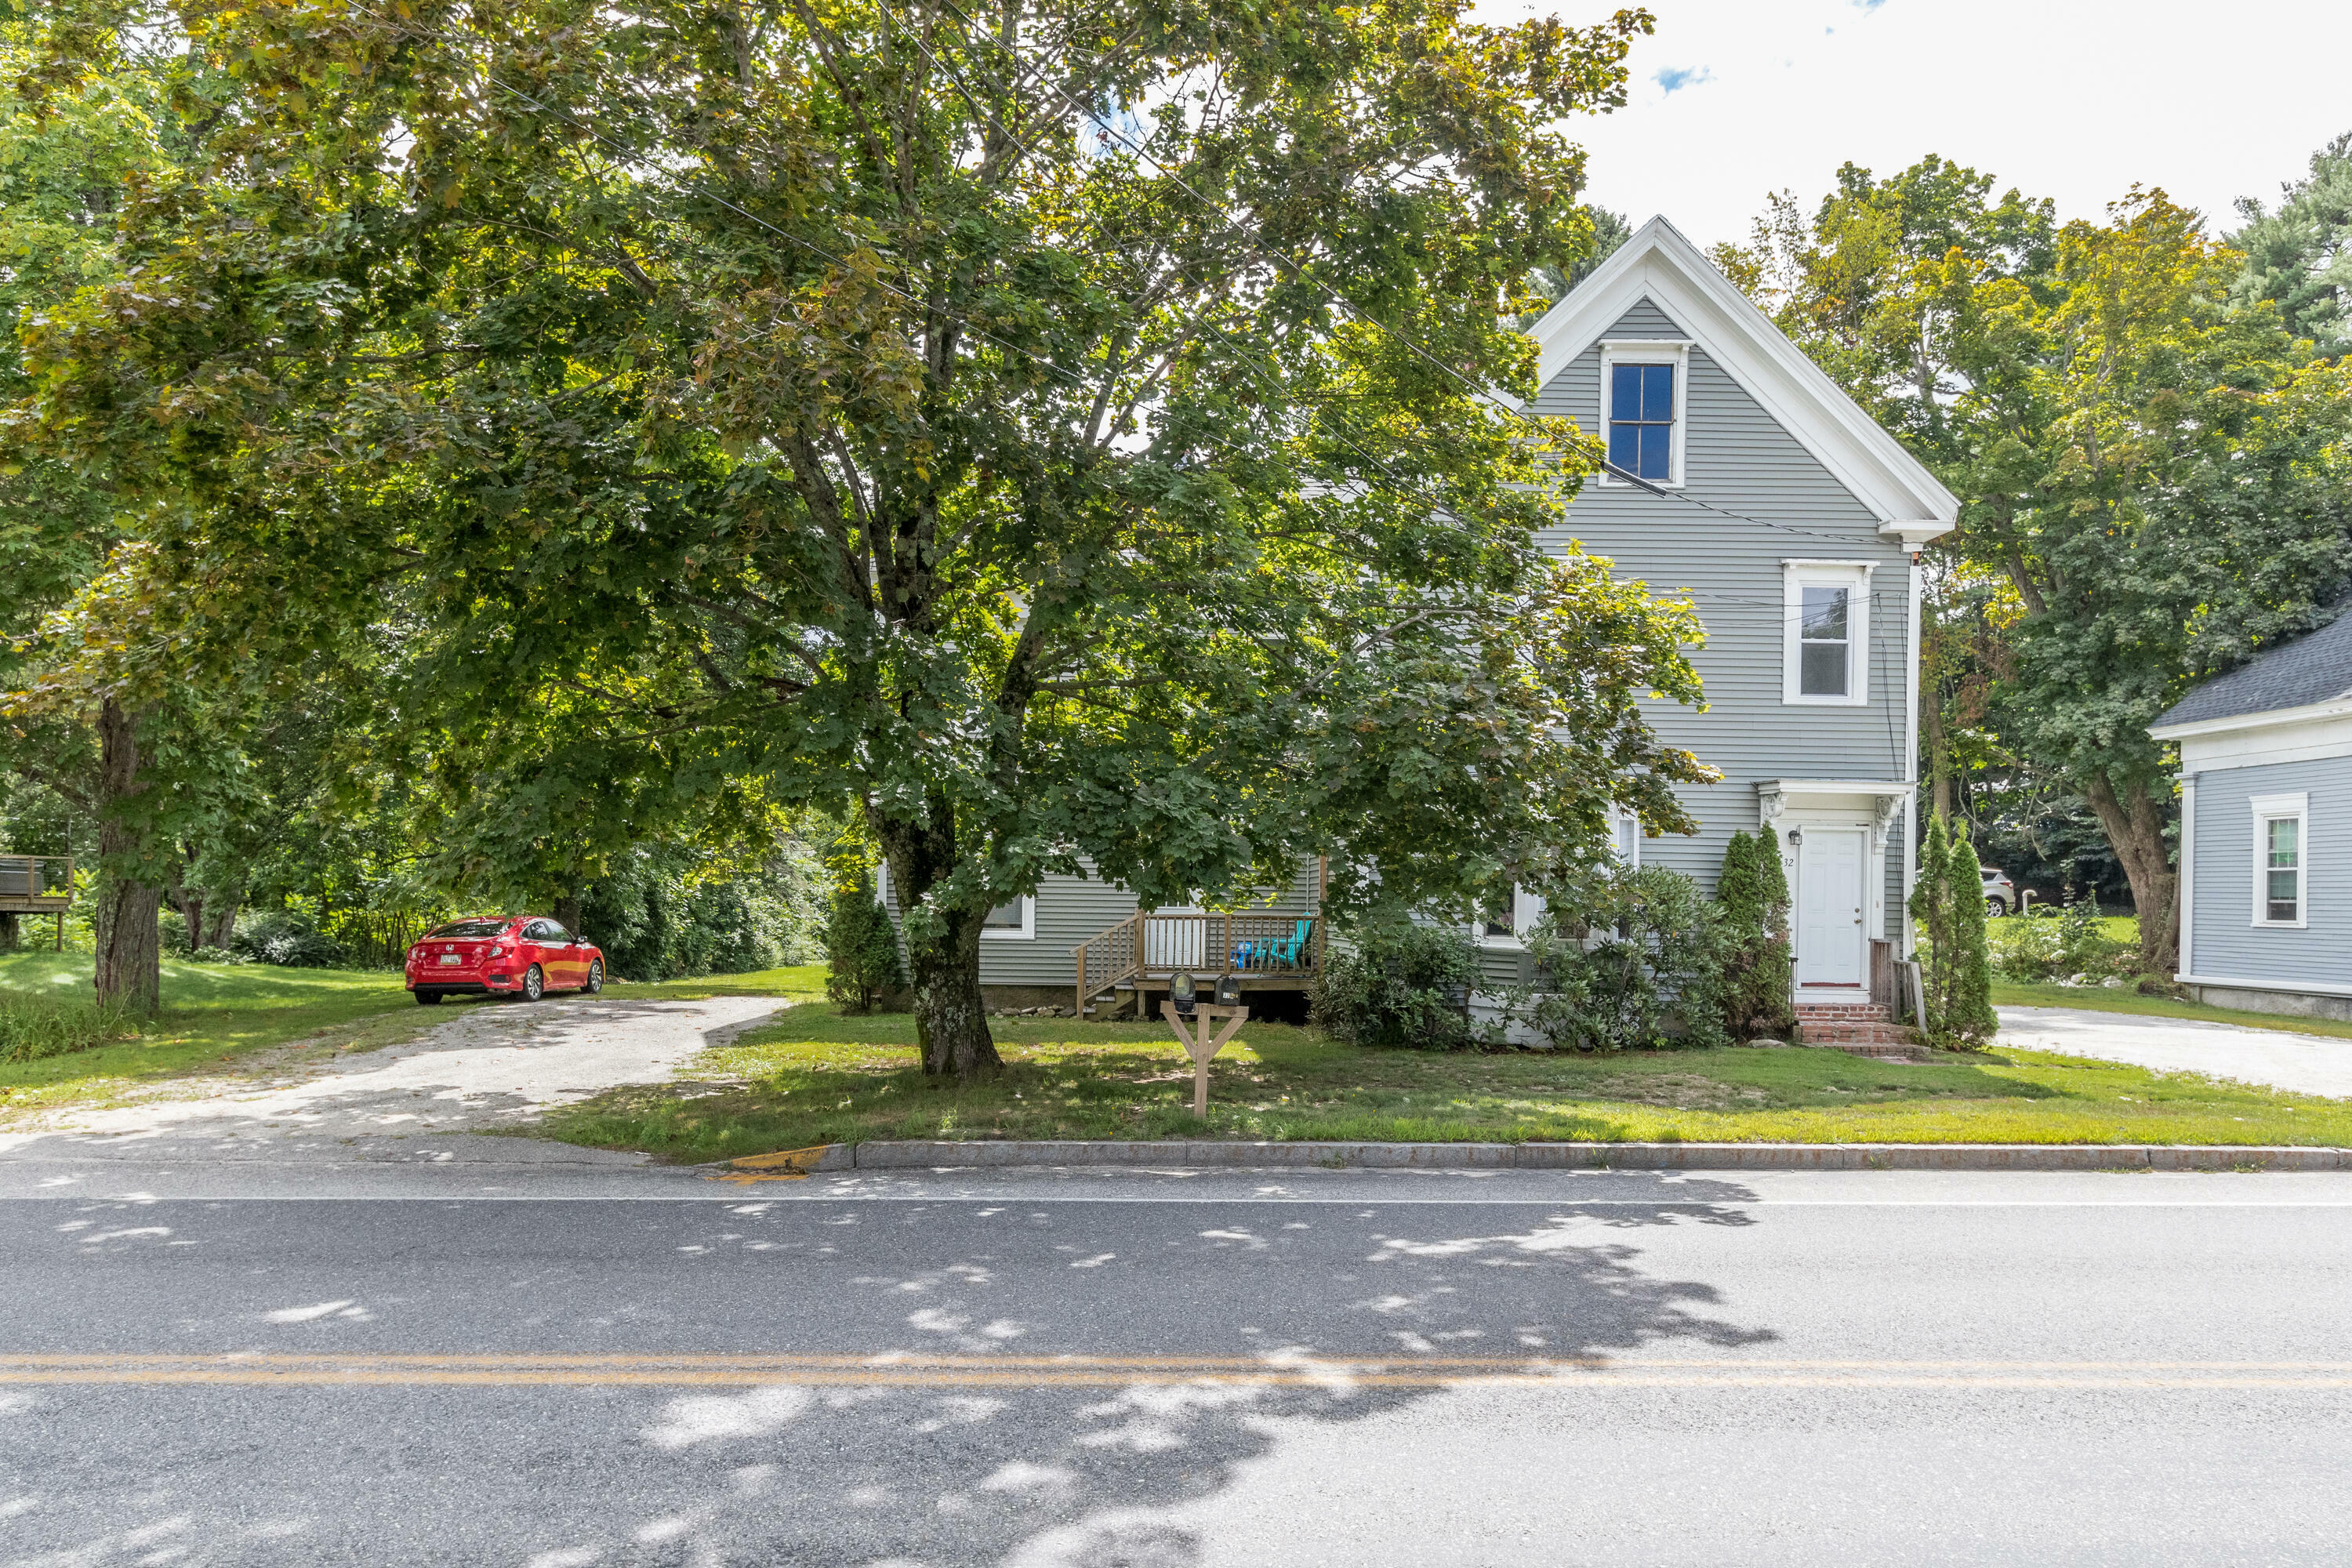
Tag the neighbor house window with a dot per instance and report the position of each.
(1012, 920)
(1644, 390)
(2282, 852)
(1625, 830)
(1825, 612)
(1507, 916)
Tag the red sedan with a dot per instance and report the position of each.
(513, 955)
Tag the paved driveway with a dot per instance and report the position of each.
(492, 1067)
(2308, 1064)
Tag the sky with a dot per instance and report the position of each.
(2074, 99)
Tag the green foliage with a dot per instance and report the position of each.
(2153, 465)
(1759, 965)
(1396, 981)
(1955, 957)
(989, 456)
(861, 949)
(1636, 964)
(664, 913)
(2061, 945)
(34, 1024)
(2299, 257)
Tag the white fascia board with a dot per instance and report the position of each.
(1814, 410)
(2333, 707)
(1840, 786)
(2315, 987)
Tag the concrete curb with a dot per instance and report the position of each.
(1219, 1154)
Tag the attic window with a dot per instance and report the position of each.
(1644, 394)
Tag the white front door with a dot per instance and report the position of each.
(1829, 907)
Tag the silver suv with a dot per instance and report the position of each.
(1999, 893)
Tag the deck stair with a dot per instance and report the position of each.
(1861, 1028)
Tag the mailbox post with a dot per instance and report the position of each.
(1184, 1007)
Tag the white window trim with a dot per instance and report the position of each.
(1626, 846)
(1026, 932)
(1650, 351)
(1526, 910)
(1796, 576)
(2270, 808)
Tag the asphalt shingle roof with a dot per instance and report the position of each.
(2315, 667)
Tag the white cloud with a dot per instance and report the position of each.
(2070, 99)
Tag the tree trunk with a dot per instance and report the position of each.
(128, 974)
(2134, 823)
(11, 933)
(192, 914)
(942, 965)
(567, 913)
(1940, 753)
(220, 916)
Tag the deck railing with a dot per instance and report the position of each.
(36, 884)
(1257, 944)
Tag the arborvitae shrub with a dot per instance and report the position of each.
(1757, 964)
(1968, 1013)
(861, 949)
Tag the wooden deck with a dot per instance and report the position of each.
(1262, 952)
(36, 884)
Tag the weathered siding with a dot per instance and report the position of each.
(2224, 942)
(1738, 458)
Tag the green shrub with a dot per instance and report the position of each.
(1637, 966)
(1396, 983)
(861, 949)
(1758, 966)
(1956, 960)
(33, 1026)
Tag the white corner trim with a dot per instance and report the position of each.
(1649, 350)
(1659, 263)
(2267, 809)
(1796, 576)
(2184, 890)
(1025, 931)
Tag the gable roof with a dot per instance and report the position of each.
(1659, 264)
(2313, 668)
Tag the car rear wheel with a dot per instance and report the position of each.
(1995, 908)
(428, 998)
(534, 983)
(595, 977)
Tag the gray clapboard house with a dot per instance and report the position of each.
(1792, 521)
(1790, 517)
(2266, 828)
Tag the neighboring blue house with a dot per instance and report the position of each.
(1791, 518)
(2266, 828)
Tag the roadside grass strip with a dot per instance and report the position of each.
(1274, 1370)
(212, 1013)
(814, 1077)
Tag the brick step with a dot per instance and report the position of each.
(1844, 1012)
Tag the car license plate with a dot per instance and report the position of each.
(453, 958)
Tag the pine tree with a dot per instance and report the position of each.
(1756, 980)
(861, 949)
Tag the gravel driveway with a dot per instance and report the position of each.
(493, 1065)
(2308, 1064)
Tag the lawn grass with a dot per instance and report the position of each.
(802, 983)
(212, 1013)
(815, 1077)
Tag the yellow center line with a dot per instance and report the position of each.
(904, 1370)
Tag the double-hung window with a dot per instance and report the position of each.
(1644, 391)
(1825, 648)
(2281, 858)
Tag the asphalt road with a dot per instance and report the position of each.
(615, 1366)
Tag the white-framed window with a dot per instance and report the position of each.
(1508, 916)
(2282, 860)
(1825, 635)
(1644, 394)
(1625, 837)
(1015, 919)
